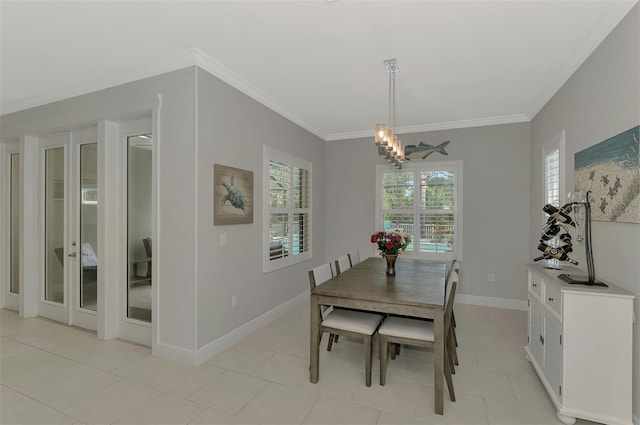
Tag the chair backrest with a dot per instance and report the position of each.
(147, 246)
(319, 275)
(450, 296)
(453, 265)
(342, 264)
(354, 257)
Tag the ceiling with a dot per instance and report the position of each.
(319, 63)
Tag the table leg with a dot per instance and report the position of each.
(438, 369)
(314, 340)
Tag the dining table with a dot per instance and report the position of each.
(416, 290)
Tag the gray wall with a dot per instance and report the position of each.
(232, 129)
(600, 100)
(496, 202)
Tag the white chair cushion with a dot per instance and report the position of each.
(322, 273)
(353, 321)
(407, 328)
(343, 263)
(355, 257)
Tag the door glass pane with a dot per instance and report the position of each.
(140, 246)
(14, 228)
(88, 226)
(54, 225)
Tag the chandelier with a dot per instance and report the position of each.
(386, 141)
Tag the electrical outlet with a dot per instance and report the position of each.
(234, 301)
(491, 277)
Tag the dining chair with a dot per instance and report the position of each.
(343, 264)
(455, 265)
(452, 266)
(354, 257)
(350, 323)
(419, 333)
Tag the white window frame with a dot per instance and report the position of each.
(457, 168)
(271, 154)
(555, 144)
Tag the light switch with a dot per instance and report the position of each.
(223, 239)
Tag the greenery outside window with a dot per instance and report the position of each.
(287, 212)
(425, 201)
(552, 182)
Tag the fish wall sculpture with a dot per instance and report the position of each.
(423, 150)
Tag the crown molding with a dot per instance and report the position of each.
(590, 44)
(179, 61)
(191, 57)
(447, 125)
(220, 71)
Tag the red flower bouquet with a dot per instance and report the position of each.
(391, 243)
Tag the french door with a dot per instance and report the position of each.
(70, 251)
(135, 312)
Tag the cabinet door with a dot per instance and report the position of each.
(553, 353)
(535, 329)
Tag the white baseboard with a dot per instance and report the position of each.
(175, 354)
(491, 301)
(196, 357)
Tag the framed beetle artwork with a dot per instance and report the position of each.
(232, 195)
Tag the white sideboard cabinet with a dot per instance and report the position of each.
(580, 341)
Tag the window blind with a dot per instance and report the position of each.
(552, 177)
(288, 212)
(422, 200)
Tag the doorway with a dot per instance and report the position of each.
(139, 216)
(138, 280)
(13, 196)
(69, 218)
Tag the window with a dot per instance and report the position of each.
(552, 171)
(552, 182)
(425, 201)
(287, 212)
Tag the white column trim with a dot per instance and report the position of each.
(108, 229)
(30, 259)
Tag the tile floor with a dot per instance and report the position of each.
(54, 374)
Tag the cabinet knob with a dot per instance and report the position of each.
(550, 298)
(534, 284)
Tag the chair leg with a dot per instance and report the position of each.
(368, 358)
(330, 342)
(449, 358)
(447, 377)
(398, 349)
(335, 338)
(453, 321)
(453, 345)
(393, 350)
(384, 353)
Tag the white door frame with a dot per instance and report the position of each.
(8, 299)
(52, 310)
(131, 329)
(69, 311)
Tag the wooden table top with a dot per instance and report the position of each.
(419, 283)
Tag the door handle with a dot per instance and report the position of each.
(73, 254)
